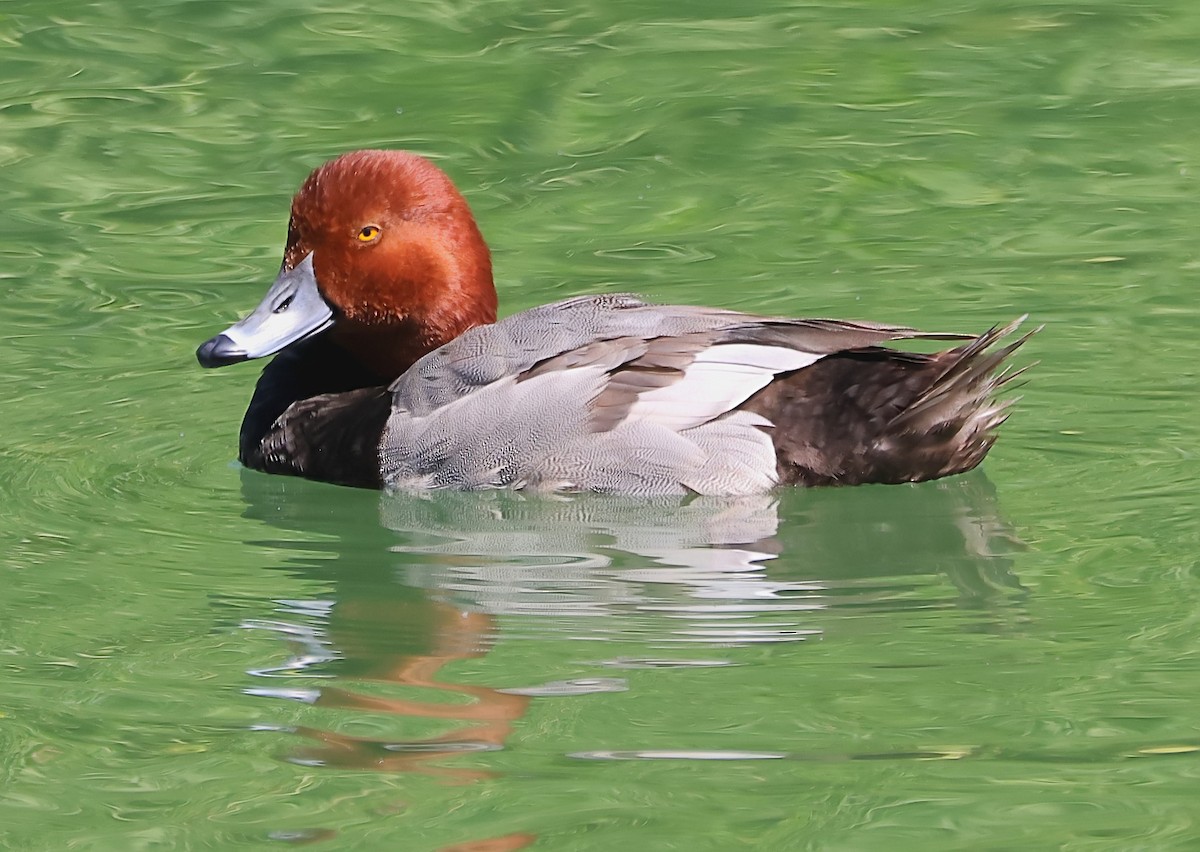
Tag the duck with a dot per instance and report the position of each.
(390, 370)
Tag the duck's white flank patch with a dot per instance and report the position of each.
(719, 379)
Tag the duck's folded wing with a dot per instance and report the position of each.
(520, 342)
(595, 392)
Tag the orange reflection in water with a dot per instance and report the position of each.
(452, 635)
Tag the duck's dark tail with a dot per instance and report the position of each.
(882, 415)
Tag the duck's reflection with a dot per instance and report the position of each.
(374, 630)
(419, 582)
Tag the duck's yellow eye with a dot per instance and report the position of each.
(369, 233)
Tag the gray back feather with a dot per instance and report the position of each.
(603, 393)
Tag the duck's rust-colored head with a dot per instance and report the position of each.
(383, 255)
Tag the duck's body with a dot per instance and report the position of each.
(394, 374)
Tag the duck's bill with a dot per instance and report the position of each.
(293, 310)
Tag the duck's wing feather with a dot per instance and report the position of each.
(565, 333)
(592, 391)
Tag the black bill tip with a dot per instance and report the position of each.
(219, 351)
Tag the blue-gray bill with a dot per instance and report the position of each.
(293, 310)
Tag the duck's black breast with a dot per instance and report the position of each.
(317, 413)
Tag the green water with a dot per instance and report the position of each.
(193, 656)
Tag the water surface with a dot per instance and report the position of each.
(197, 656)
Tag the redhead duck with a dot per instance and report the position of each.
(391, 371)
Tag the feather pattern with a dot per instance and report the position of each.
(605, 393)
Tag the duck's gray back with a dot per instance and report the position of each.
(604, 393)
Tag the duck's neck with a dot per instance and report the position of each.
(386, 350)
(389, 349)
